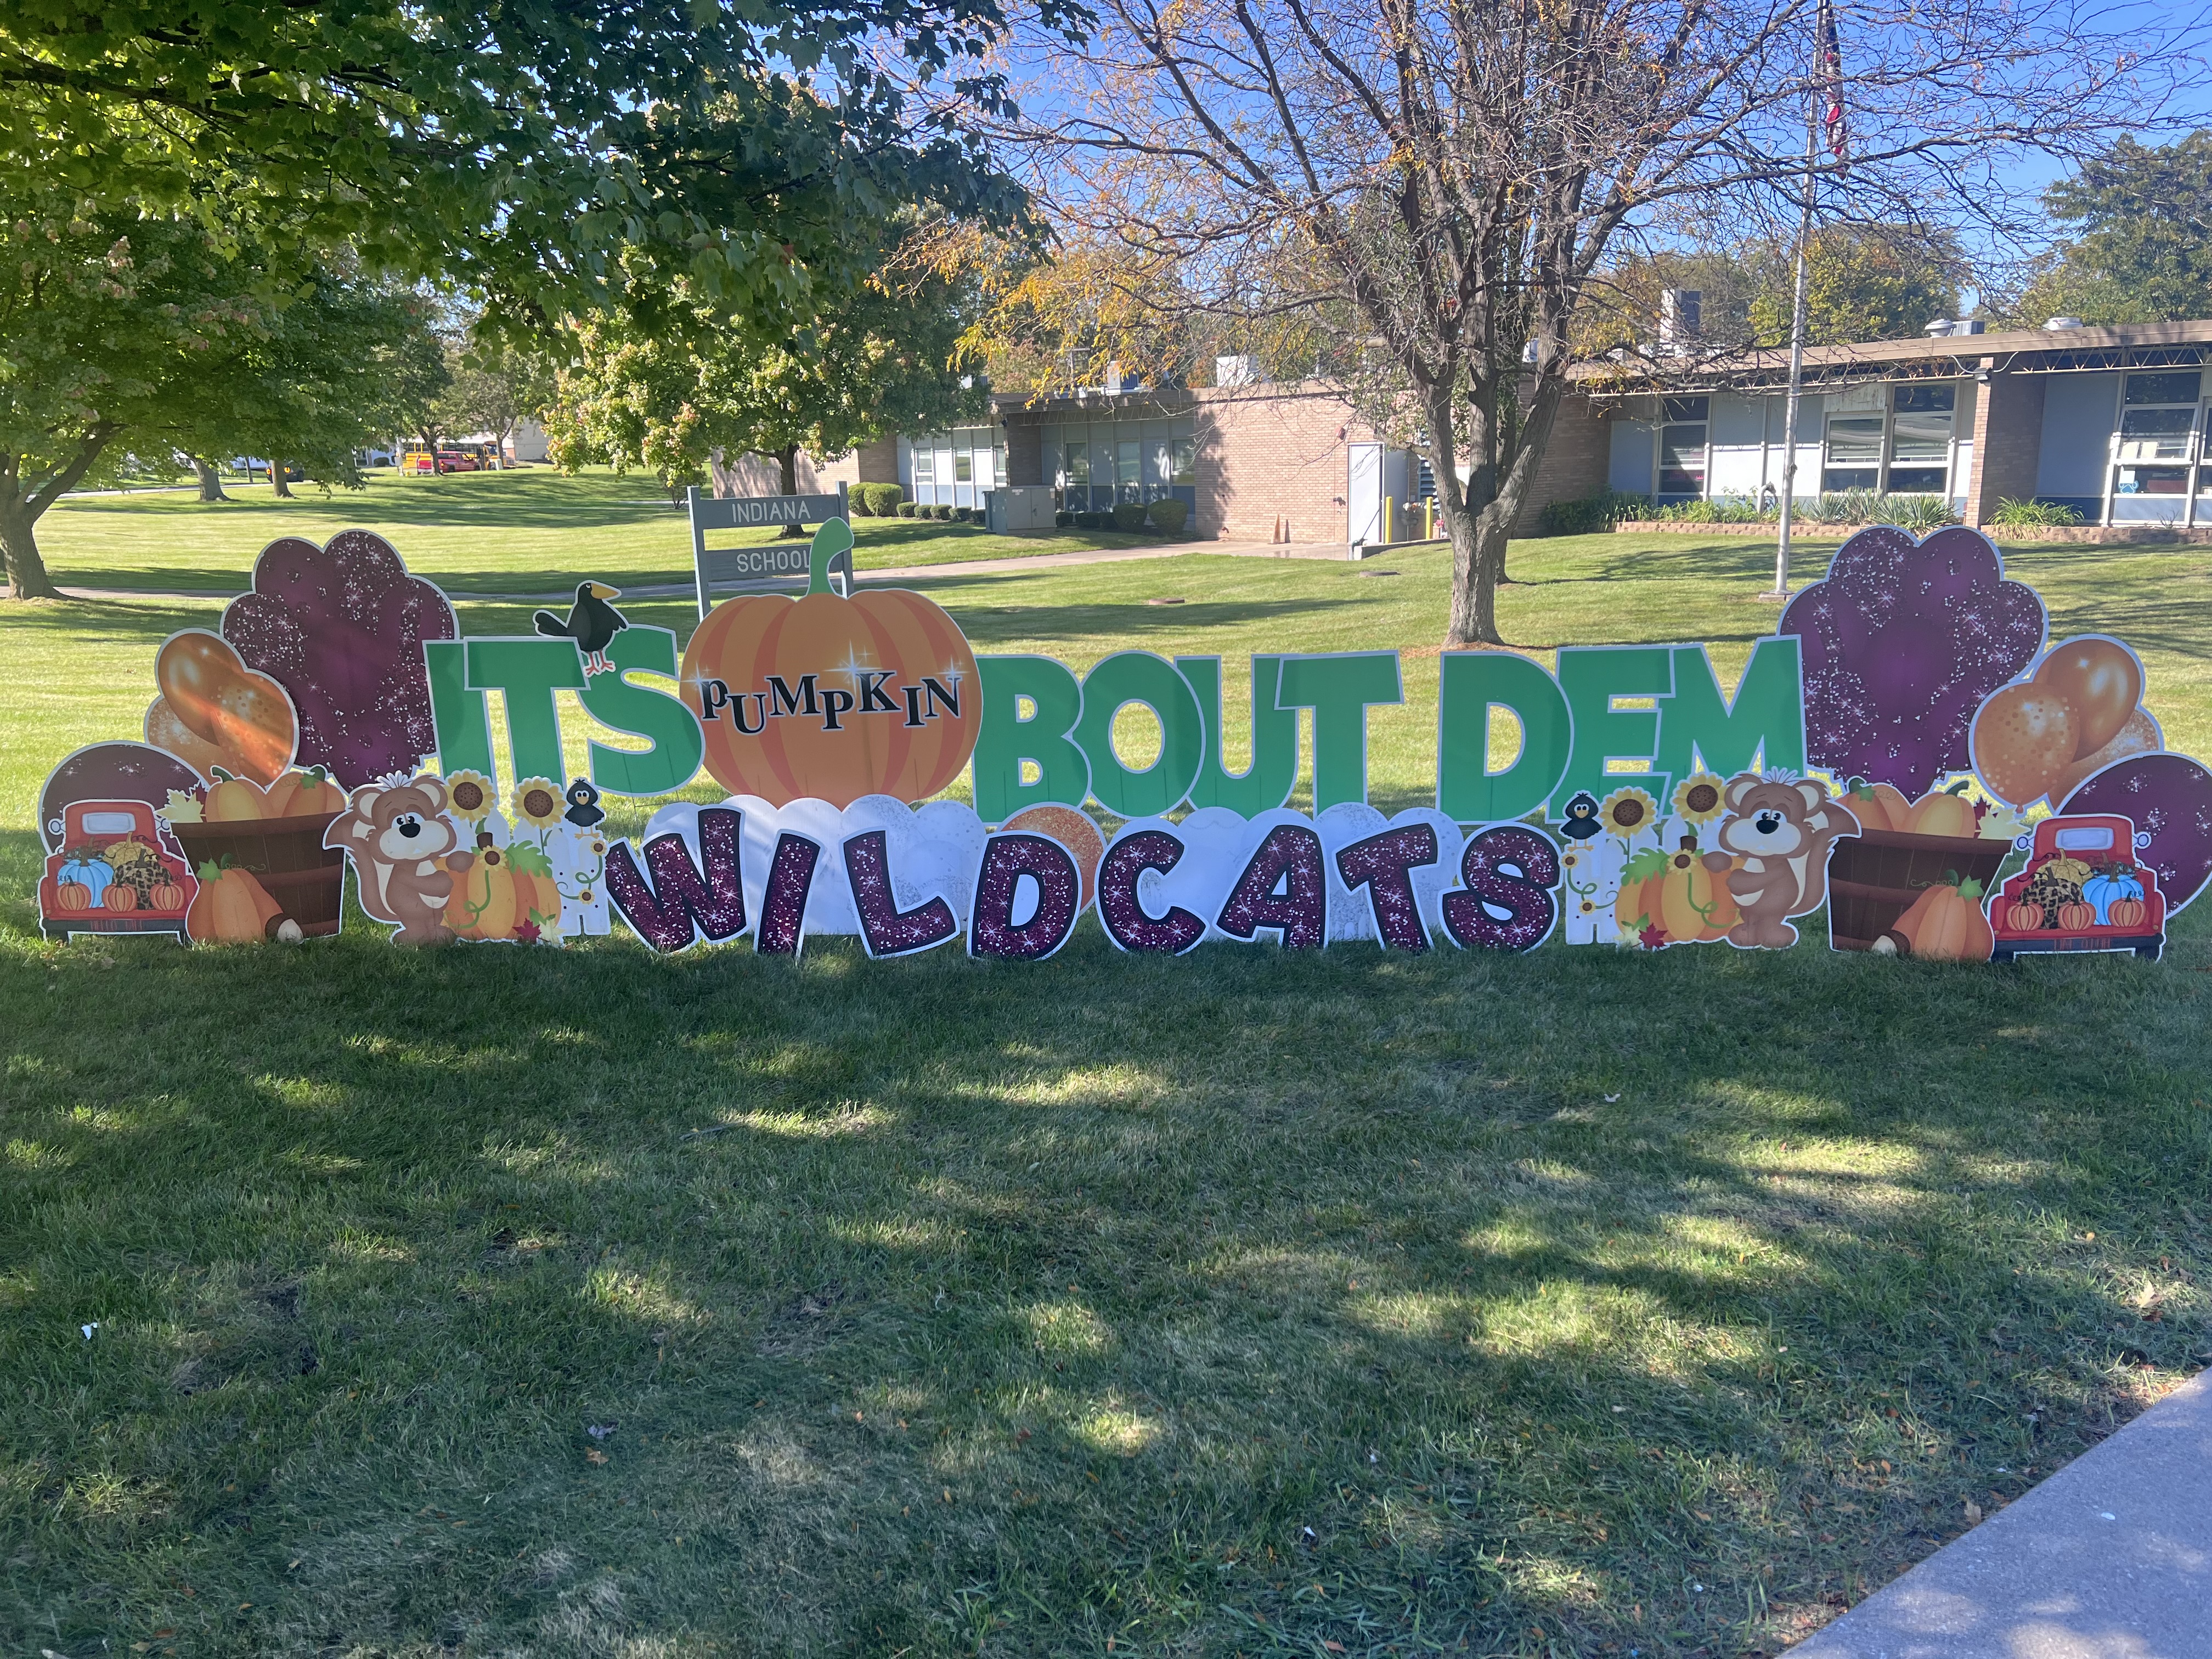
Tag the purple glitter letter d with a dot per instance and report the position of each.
(1006, 860)
(885, 929)
(1122, 914)
(1511, 869)
(1289, 856)
(682, 904)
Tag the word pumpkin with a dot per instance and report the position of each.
(876, 694)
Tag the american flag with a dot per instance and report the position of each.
(1831, 73)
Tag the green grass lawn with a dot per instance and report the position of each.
(525, 531)
(1251, 1303)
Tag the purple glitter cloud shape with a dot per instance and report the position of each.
(1901, 644)
(341, 628)
(2169, 797)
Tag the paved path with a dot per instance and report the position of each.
(2108, 1559)
(1025, 565)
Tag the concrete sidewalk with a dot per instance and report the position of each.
(2108, 1559)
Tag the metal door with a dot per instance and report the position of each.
(1363, 493)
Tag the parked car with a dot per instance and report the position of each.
(449, 460)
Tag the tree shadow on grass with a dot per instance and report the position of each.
(1103, 1295)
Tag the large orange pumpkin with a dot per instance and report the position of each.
(506, 893)
(833, 698)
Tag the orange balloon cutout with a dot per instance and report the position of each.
(247, 717)
(2140, 736)
(833, 698)
(2022, 741)
(1072, 829)
(168, 732)
(2101, 681)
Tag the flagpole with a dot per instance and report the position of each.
(1781, 589)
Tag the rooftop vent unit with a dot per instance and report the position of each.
(1235, 371)
(1944, 327)
(2063, 323)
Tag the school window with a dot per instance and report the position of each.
(2156, 441)
(1097, 465)
(1921, 419)
(1682, 446)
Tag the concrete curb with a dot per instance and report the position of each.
(2108, 1559)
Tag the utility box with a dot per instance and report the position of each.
(1015, 507)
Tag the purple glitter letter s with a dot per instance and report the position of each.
(1509, 868)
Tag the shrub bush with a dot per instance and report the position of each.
(1090, 520)
(940, 511)
(1170, 516)
(1062, 520)
(2013, 514)
(1592, 514)
(1129, 516)
(1921, 513)
(856, 499)
(881, 501)
(906, 509)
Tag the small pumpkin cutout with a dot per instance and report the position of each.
(234, 800)
(232, 907)
(834, 698)
(2024, 918)
(2127, 913)
(166, 896)
(1946, 924)
(2076, 917)
(73, 895)
(120, 896)
(1945, 813)
(504, 893)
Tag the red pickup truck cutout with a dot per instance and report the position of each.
(2083, 890)
(112, 876)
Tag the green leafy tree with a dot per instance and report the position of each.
(662, 385)
(512, 144)
(2141, 247)
(122, 329)
(320, 379)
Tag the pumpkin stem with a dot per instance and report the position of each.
(834, 538)
(220, 775)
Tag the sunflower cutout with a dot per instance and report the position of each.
(1629, 812)
(1700, 798)
(537, 803)
(470, 796)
